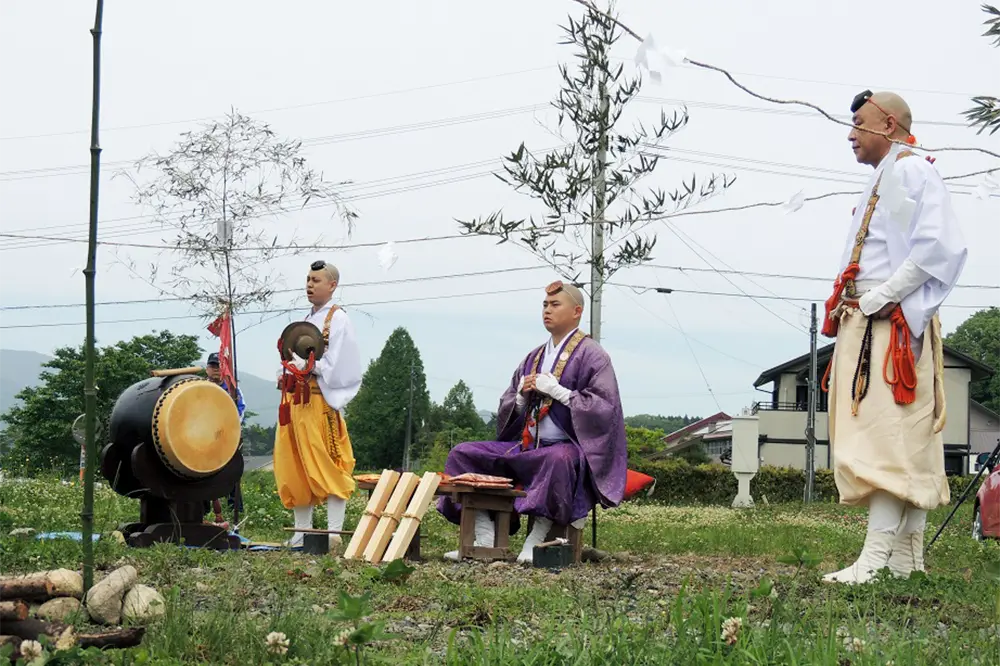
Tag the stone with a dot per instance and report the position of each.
(61, 609)
(104, 600)
(142, 603)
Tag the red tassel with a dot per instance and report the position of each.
(284, 414)
(831, 326)
(900, 354)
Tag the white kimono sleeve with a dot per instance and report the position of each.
(338, 371)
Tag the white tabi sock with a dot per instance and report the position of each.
(335, 508)
(303, 520)
(537, 536)
(885, 518)
(486, 532)
(908, 548)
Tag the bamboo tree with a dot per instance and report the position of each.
(90, 274)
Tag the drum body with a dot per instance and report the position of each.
(192, 424)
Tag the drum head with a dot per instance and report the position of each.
(196, 428)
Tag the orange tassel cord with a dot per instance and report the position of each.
(900, 356)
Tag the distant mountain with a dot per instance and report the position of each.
(262, 398)
(485, 414)
(20, 369)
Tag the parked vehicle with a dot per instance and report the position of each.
(986, 510)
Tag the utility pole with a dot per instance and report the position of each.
(409, 425)
(90, 275)
(811, 415)
(597, 244)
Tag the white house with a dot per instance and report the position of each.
(970, 427)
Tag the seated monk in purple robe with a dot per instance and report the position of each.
(560, 431)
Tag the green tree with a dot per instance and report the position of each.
(460, 408)
(40, 427)
(258, 440)
(986, 113)
(667, 424)
(377, 416)
(979, 337)
(643, 441)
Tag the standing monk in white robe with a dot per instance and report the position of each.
(313, 458)
(904, 255)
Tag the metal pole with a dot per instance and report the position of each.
(811, 417)
(597, 245)
(990, 463)
(90, 274)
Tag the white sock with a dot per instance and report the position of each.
(335, 507)
(916, 520)
(303, 520)
(486, 530)
(885, 512)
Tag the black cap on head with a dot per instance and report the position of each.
(860, 100)
(213, 359)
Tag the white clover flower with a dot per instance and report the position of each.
(277, 643)
(855, 644)
(341, 638)
(31, 650)
(731, 629)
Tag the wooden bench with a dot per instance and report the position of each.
(498, 500)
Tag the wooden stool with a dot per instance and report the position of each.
(499, 501)
(568, 532)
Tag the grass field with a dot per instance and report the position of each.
(686, 585)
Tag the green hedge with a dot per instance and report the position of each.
(678, 482)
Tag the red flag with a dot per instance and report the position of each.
(222, 328)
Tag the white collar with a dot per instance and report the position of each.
(551, 346)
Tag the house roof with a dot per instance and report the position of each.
(692, 427)
(251, 463)
(801, 364)
(986, 410)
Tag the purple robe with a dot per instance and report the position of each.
(563, 480)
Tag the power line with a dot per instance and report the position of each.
(276, 311)
(686, 336)
(72, 169)
(670, 290)
(373, 283)
(290, 107)
(815, 278)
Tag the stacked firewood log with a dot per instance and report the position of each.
(52, 604)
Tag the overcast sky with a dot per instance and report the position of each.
(319, 69)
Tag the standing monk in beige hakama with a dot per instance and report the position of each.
(904, 255)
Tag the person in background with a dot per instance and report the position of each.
(235, 499)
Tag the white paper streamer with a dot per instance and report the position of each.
(387, 256)
(795, 203)
(656, 60)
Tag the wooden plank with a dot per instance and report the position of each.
(373, 512)
(410, 523)
(390, 517)
(486, 502)
(312, 530)
(193, 370)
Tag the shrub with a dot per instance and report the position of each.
(678, 482)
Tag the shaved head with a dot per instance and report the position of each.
(574, 293)
(879, 119)
(562, 308)
(894, 105)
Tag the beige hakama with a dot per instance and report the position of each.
(887, 446)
